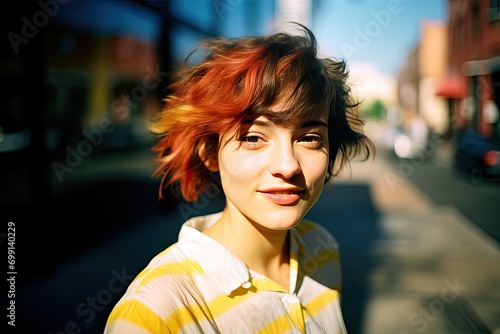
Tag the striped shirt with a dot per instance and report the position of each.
(198, 286)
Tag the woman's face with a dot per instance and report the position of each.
(272, 175)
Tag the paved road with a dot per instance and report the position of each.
(435, 271)
(437, 178)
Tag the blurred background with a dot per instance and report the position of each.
(82, 78)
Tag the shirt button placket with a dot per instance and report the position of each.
(293, 305)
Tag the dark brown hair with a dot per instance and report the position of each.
(241, 78)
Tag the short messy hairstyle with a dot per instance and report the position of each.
(241, 78)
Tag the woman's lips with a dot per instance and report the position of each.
(283, 197)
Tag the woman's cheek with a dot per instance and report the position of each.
(243, 169)
(240, 163)
(315, 166)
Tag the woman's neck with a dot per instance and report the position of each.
(262, 250)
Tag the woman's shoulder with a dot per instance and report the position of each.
(168, 274)
(318, 254)
(165, 285)
(311, 230)
(170, 262)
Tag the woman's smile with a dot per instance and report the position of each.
(283, 197)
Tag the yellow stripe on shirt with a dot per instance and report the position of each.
(139, 314)
(186, 267)
(321, 301)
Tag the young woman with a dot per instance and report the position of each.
(274, 123)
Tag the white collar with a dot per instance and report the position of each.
(225, 271)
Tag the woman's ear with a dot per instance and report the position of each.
(212, 164)
(209, 160)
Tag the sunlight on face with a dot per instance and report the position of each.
(272, 175)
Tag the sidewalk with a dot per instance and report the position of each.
(436, 271)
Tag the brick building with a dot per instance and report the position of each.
(472, 83)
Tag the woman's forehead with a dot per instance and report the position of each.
(316, 119)
(280, 113)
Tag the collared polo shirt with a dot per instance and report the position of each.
(198, 285)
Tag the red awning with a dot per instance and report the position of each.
(452, 88)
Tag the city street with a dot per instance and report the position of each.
(439, 180)
(435, 270)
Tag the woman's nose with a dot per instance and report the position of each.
(284, 162)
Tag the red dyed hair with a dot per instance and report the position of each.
(241, 78)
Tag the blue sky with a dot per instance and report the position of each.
(378, 31)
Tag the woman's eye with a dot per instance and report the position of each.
(311, 139)
(314, 141)
(251, 141)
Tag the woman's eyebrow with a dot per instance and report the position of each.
(313, 123)
(307, 124)
(256, 122)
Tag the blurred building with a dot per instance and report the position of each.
(84, 77)
(418, 79)
(471, 86)
(101, 76)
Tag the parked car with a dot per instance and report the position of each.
(412, 142)
(477, 156)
